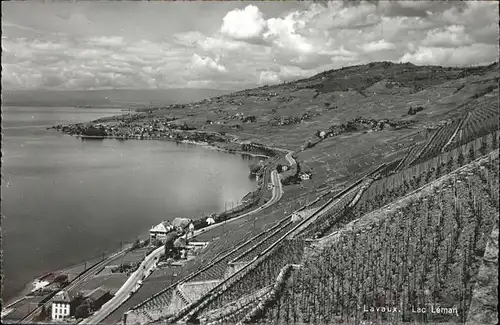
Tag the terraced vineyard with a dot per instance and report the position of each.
(424, 248)
(386, 190)
(410, 156)
(217, 269)
(369, 195)
(479, 122)
(260, 275)
(437, 142)
(255, 251)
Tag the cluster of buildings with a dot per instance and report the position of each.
(68, 304)
(288, 120)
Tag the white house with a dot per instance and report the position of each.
(61, 306)
(284, 168)
(160, 231)
(322, 134)
(210, 221)
(305, 176)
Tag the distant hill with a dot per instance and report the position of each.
(114, 98)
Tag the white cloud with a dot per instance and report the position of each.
(283, 33)
(451, 36)
(380, 45)
(199, 62)
(248, 46)
(480, 53)
(243, 24)
(268, 77)
(107, 41)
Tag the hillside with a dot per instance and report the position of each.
(370, 136)
(424, 248)
(113, 98)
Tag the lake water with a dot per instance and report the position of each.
(65, 200)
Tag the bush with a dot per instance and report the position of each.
(415, 110)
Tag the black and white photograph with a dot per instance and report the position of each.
(250, 162)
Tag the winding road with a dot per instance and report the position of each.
(129, 287)
(290, 159)
(149, 263)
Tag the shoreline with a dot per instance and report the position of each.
(197, 143)
(28, 286)
(21, 295)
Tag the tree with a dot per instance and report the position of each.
(136, 244)
(255, 168)
(279, 168)
(61, 280)
(95, 132)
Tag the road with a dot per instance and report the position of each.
(290, 159)
(277, 193)
(147, 266)
(149, 262)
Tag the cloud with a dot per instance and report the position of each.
(243, 24)
(380, 45)
(451, 36)
(283, 33)
(244, 45)
(107, 41)
(206, 63)
(268, 77)
(481, 53)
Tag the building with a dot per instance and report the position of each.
(181, 223)
(284, 168)
(97, 298)
(305, 176)
(160, 231)
(296, 217)
(210, 221)
(63, 304)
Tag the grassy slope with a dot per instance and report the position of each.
(354, 91)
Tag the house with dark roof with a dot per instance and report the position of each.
(97, 297)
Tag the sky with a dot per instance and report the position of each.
(231, 45)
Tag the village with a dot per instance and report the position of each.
(70, 304)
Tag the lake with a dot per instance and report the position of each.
(65, 200)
